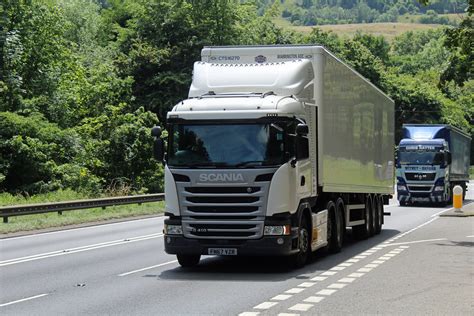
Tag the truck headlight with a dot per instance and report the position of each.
(277, 230)
(439, 188)
(401, 187)
(173, 230)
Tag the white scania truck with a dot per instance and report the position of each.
(277, 150)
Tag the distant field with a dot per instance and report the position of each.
(388, 30)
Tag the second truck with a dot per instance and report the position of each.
(277, 151)
(431, 160)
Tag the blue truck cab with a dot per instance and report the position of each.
(431, 160)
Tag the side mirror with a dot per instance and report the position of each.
(302, 129)
(156, 131)
(158, 144)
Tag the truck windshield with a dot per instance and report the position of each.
(420, 158)
(227, 145)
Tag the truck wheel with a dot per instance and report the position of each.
(187, 261)
(378, 214)
(335, 233)
(304, 245)
(402, 203)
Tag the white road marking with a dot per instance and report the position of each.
(319, 278)
(249, 314)
(78, 249)
(328, 273)
(79, 228)
(470, 236)
(404, 247)
(365, 270)
(313, 299)
(355, 275)
(440, 212)
(390, 255)
(353, 260)
(378, 261)
(337, 286)
(345, 264)
(346, 280)
(265, 305)
(147, 268)
(281, 297)
(326, 292)
(301, 307)
(337, 268)
(288, 314)
(307, 284)
(23, 300)
(360, 257)
(294, 290)
(416, 241)
(371, 265)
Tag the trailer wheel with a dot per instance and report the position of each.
(188, 261)
(335, 233)
(378, 214)
(304, 245)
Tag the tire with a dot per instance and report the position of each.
(187, 261)
(378, 215)
(364, 231)
(304, 245)
(335, 234)
(402, 203)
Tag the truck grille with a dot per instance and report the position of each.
(223, 211)
(420, 188)
(418, 176)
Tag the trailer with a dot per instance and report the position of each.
(431, 160)
(277, 151)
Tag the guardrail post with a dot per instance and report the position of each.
(5, 219)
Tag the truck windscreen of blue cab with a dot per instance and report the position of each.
(227, 145)
(417, 157)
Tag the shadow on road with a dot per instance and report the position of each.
(266, 269)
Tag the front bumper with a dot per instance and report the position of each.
(282, 245)
(265, 246)
(427, 197)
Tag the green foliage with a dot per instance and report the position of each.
(82, 82)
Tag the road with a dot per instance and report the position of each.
(420, 264)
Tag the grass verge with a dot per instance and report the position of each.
(471, 173)
(50, 220)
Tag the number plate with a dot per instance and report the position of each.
(222, 251)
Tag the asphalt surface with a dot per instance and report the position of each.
(420, 264)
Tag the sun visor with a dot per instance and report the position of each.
(282, 78)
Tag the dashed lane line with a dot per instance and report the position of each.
(301, 307)
(332, 288)
(265, 305)
(24, 299)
